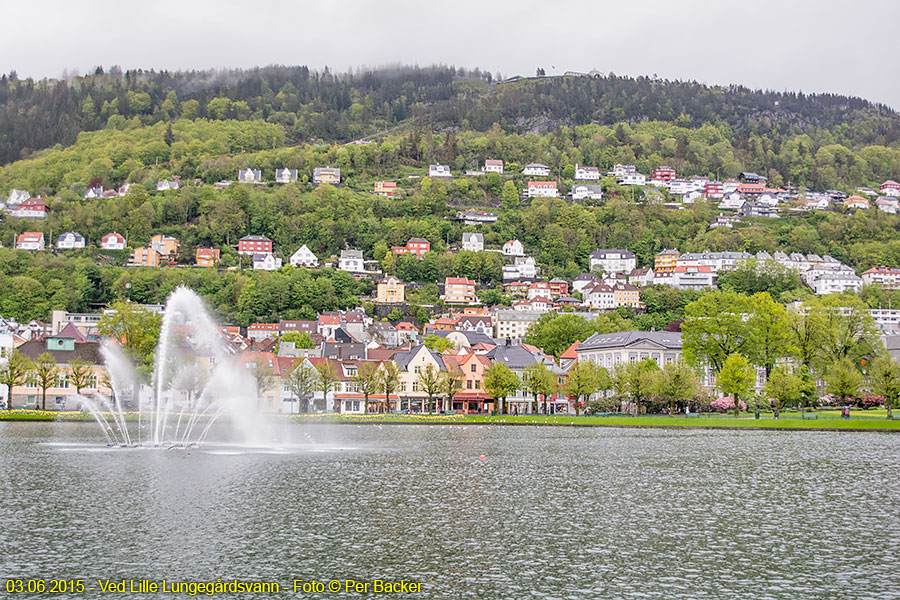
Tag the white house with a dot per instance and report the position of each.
(285, 175)
(439, 171)
(641, 277)
(584, 190)
(632, 179)
(351, 261)
(600, 296)
(613, 261)
(522, 267)
(536, 169)
(583, 281)
(266, 262)
(250, 176)
(890, 188)
(473, 242)
(165, 185)
(731, 201)
(611, 349)
(542, 189)
(513, 248)
(583, 173)
(17, 197)
(888, 204)
(622, 170)
(304, 258)
(112, 241)
(94, 193)
(886, 277)
(493, 166)
(30, 240)
(70, 240)
(33, 208)
(836, 283)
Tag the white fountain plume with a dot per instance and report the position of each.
(194, 382)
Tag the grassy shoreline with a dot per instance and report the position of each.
(826, 420)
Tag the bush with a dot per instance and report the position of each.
(726, 403)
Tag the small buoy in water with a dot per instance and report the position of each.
(481, 457)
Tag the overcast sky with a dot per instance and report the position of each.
(812, 46)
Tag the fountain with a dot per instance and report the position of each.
(195, 381)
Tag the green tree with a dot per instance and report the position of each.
(807, 331)
(327, 379)
(300, 339)
(366, 379)
(843, 380)
(585, 378)
(509, 198)
(135, 328)
(438, 344)
(451, 384)
(676, 382)
(13, 373)
(429, 380)
(886, 381)
(784, 386)
(637, 380)
(849, 329)
(500, 382)
(715, 327)
(46, 373)
(537, 380)
(80, 374)
(302, 382)
(770, 331)
(555, 332)
(735, 379)
(390, 377)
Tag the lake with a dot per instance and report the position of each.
(549, 512)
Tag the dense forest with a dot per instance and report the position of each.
(780, 135)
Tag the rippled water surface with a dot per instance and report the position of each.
(548, 513)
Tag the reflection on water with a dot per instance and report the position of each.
(548, 513)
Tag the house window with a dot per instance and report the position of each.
(473, 368)
(469, 384)
(415, 386)
(416, 370)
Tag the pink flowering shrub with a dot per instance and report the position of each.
(867, 401)
(726, 403)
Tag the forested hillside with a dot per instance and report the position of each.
(779, 134)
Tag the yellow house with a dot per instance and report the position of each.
(626, 295)
(666, 261)
(145, 257)
(330, 175)
(390, 290)
(166, 246)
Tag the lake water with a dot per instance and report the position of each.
(550, 512)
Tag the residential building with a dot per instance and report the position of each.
(473, 242)
(254, 244)
(693, 277)
(612, 349)
(166, 246)
(513, 248)
(30, 240)
(164, 185)
(206, 257)
(536, 170)
(666, 261)
(613, 261)
(756, 209)
(890, 188)
(94, 193)
(65, 347)
(625, 294)
(411, 364)
(112, 241)
(249, 176)
(558, 287)
(641, 277)
(514, 324)
(713, 189)
(70, 240)
(622, 170)
(542, 189)
(33, 208)
(459, 290)
(888, 204)
(439, 171)
(731, 201)
(385, 188)
(390, 290)
(728, 221)
(583, 281)
(416, 246)
(330, 175)
(836, 283)
(856, 202)
(472, 397)
(351, 261)
(260, 331)
(518, 357)
(145, 257)
(886, 277)
(599, 296)
(285, 175)
(304, 257)
(493, 166)
(664, 174)
(750, 191)
(583, 191)
(632, 179)
(17, 197)
(522, 267)
(476, 217)
(539, 288)
(266, 262)
(583, 173)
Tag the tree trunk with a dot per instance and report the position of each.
(737, 406)
(43, 398)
